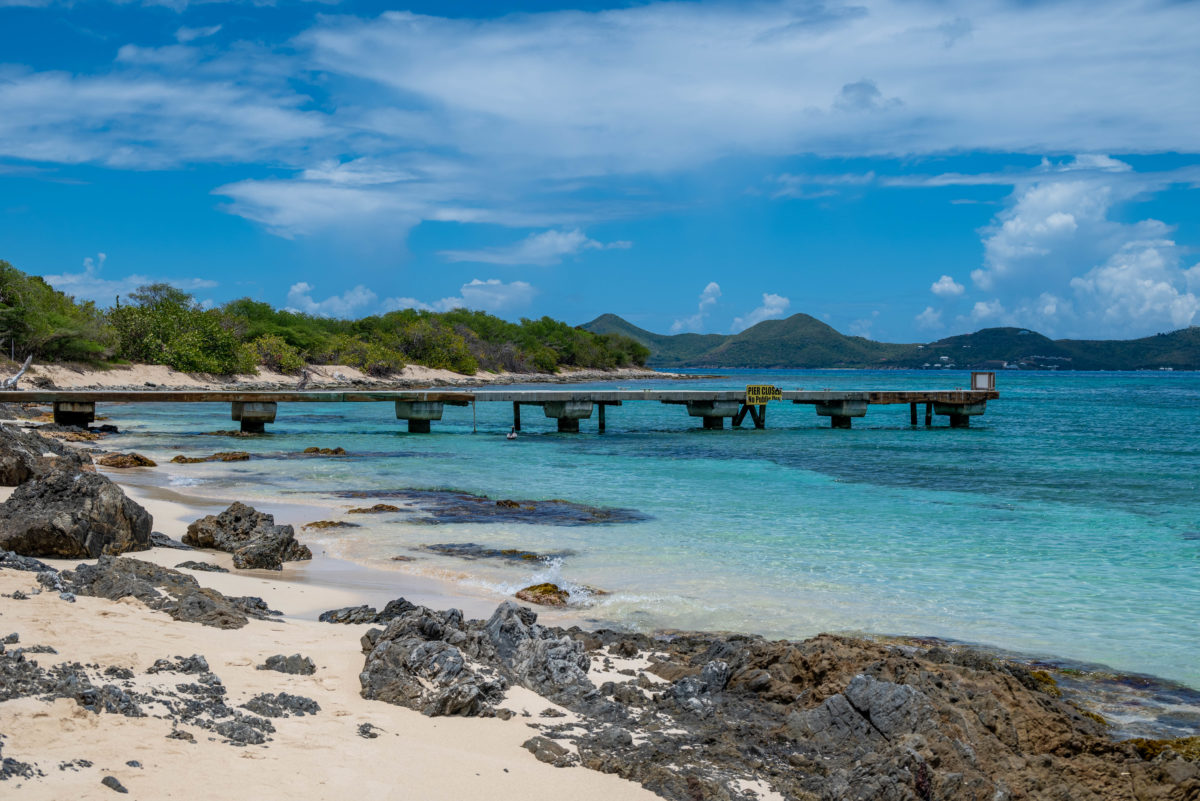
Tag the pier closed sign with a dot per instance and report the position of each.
(757, 394)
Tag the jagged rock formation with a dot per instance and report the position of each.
(251, 536)
(25, 455)
(72, 514)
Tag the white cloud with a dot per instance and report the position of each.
(772, 306)
(930, 319)
(491, 295)
(544, 249)
(695, 323)
(346, 305)
(947, 287)
(90, 285)
(186, 34)
(862, 327)
(1140, 286)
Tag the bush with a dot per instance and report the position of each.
(274, 353)
(37, 319)
(372, 359)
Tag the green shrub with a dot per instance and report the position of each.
(274, 353)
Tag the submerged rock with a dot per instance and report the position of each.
(471, 550)
(315, 451)
(378, 508)
(545, 594)
(449, 506)
(25, 455)
(170, 591)
(223, 456)
(71, 514)
(251, 536)
(323, 524)
(125, 460)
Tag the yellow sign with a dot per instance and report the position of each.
(761, 393)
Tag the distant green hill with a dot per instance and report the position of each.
(802, 341)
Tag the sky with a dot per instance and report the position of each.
(904, 170)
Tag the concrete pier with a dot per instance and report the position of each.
(568, 413)
(254, 415)
(255, 409)
(840, 412)
(74, 413)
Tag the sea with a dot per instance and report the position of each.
(1063, 525)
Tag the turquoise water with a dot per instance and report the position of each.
(1064, 523)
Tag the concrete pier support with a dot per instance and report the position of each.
(928, 415)
(418, 414)
(254, 416)
(842, 411)
(72, 413)
(713, 412)
(568, 414)
(912, 414)
(960, 414)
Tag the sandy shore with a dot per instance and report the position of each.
(310, 757)
(156, 376)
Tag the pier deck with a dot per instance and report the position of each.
(254, 409)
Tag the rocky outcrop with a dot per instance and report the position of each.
(831, 718)
(125, 460)
(223, 456)
(251, 536)
(72, 514)
(367, 614)
(25, 455)
(177, 594)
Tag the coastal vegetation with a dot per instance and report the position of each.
(801, 341)
(161, 324)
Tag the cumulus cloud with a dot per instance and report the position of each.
(773, 306)
(695, 323)
(930, 319)
(186, 34)
(91, 285)
(491, 295)
(544, 249)
(348, 304)
(947, 287)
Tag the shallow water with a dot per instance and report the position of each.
(1063, 523)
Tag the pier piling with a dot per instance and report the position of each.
(253, 415)
(70, 413)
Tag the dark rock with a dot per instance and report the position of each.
(470, 550)
(181, 734)
(323, 524)
(195, 663)
(224, 456)
(548, 751)
(315, 451)
(133, 763)
(181, 595)
(69, 597)
(450, 506)
(367, 731)
(204, 567)
(125, 460)
(367, 614)
(111, 783)
(251, 536)
(245, 730)
(160, 540)
(294, 664)
(25, 455)
(72, 515)
(271, 705)
(114, 672)
(11, 639)
(15, 561)
(378, 508)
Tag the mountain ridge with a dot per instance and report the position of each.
(802, 341)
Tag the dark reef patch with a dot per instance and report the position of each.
(470, 550)
(440, 506)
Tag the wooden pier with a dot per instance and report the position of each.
(255, 410)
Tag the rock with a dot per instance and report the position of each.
(25, 455)
(251, 536)
(224, 456)
(374, 510)
(294, 664)
(204, 567)
(15, 561)
(160, 540)
(544, 594)
(181, 596)
(111, 783)
(325, 451)
(124, 460)
(180, 734)
(72, 515)
(322, 524)
(367, 614)
(282, 705)
(546, 750)
(469, 550)
(195, 663)
(367, 731)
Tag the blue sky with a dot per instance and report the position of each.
(904, 170)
